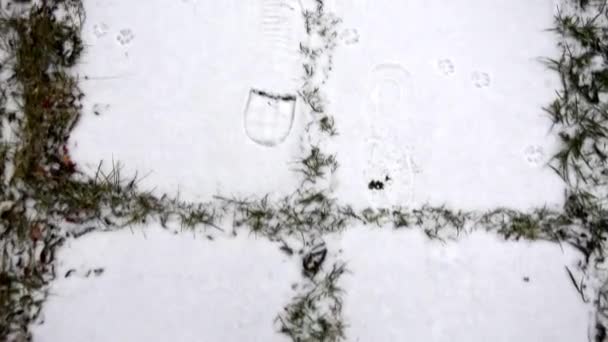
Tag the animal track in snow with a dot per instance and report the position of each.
(125, 36)
(534, 155)
(99, 108)
(446, 67)
(269, 117)
(100, 30)
(349, 36)
(480, 79)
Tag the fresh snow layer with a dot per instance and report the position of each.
(446, 98)
(440, 100)
(443, 97)
(170, 81)
(405, 287)
(157, 286)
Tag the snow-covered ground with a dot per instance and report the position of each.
(170, 81)
(444, 97)
(157, 286)
(407, 288)
(441, 99)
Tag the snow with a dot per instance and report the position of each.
(157, 286)
(442, 96)
(175, 79)
(407, 288)
(446, 97)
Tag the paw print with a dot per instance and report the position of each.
(100, 30)
(125, 36)
(99, 108)
(350, 36)
(534, 155)
(446, 67)
(480, 79)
